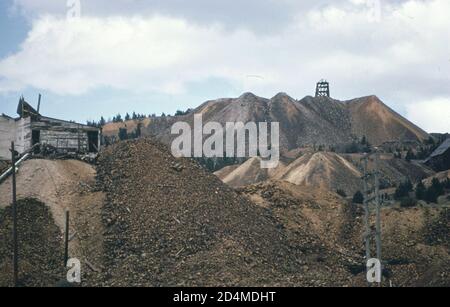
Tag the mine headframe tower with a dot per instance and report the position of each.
(323, 88)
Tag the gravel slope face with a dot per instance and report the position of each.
(41, 251)
(168, 222)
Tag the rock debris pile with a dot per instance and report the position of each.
(41, 251)
(171, 223)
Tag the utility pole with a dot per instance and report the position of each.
(372, 196)
(366, 210)
(66, 240)
(378, 205)
(14, 209)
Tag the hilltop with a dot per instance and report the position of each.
(320, 121)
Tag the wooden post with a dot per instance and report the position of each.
(378, 210)
(66, 240)
(14, 209)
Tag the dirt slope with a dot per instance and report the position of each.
(169, 222)
(326, 170)
(415, 241)
(441, 176)
(393, 171)
(372, 118)
(41, 252)
(248, 173)
(112, 129)
(305, 122)
(65, 185)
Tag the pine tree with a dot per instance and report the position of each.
(102, 122)
(447, 184)
(410, 156)
(358, 198)
(421, 191)
(434, 191)
(123, 135)
(403, 190)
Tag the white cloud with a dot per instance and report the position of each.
(432, 115)
(404, 55)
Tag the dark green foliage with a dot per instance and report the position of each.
(356, 146)
(117, 119)
(215, 164)
(447, 184)
(408, 202)
(403, 190)
(182, 113)
(410, 155)
(434, 191)
(421, 191)
(358, 198)
(430, 141)
(123, 135)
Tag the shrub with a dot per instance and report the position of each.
(408, 202)
(358, 198)
(410, 155)
(434, 191)
(403, 190)
(123, 135)
(447, 184)
(421, 191)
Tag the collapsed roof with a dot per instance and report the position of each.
(24, 109)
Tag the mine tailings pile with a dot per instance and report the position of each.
(41, 252)
(168, 222)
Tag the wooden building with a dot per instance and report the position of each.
(31, 128)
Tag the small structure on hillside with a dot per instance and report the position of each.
(32, 128)
(323, 88)
(439, 160)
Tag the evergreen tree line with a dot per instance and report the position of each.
(134, 116)
(420, 153)
(406, 189)
(215, 164)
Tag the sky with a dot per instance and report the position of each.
(90, 58)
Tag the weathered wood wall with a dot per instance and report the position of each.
(18, 131)
(65, 140)
(63, 135)
(23, 134)
(7, 134)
